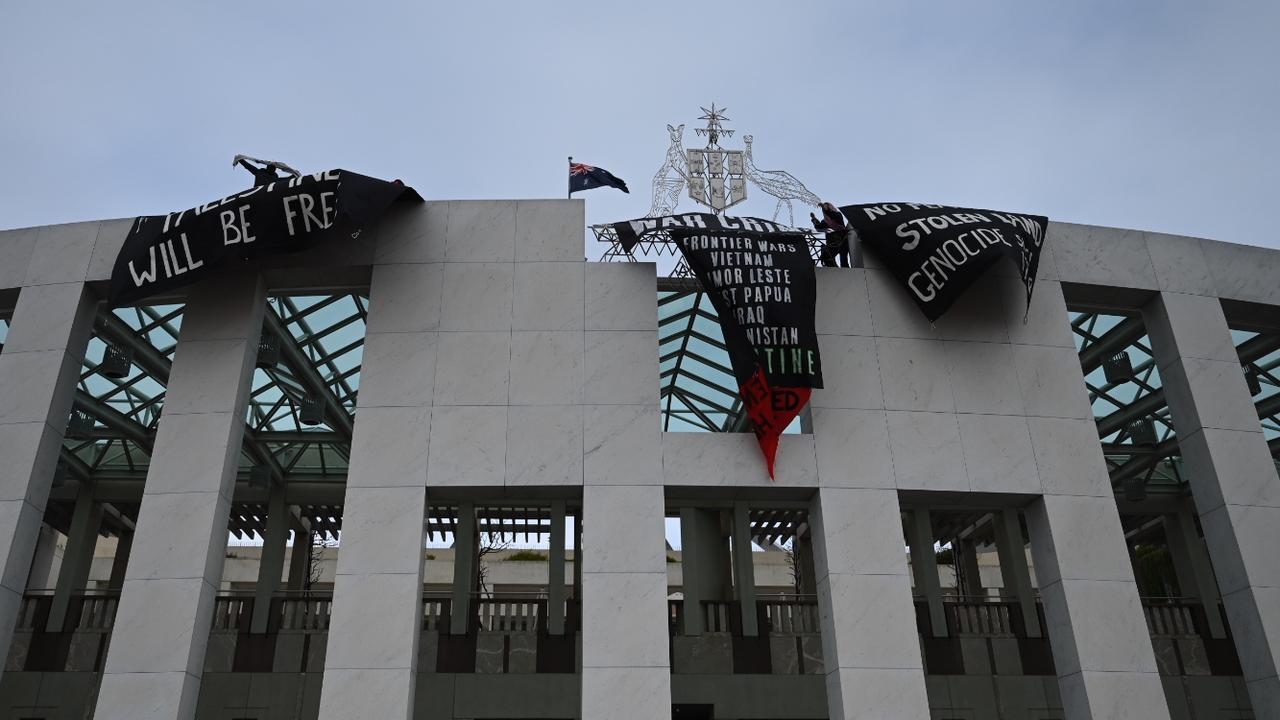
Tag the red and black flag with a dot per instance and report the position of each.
(584, 177)
(763, 286)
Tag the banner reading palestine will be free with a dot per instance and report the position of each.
(763, 287)
(164, 252)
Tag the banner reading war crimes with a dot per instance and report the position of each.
(163, 252)
(762, 285)
(939, 251)
(630, 232)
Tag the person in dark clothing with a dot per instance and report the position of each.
(264, 175)
(837, 244)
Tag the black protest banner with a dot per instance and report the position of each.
(763, 287)
(938, 251)
(630, 232)
(163, 252)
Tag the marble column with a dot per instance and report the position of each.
(299, 555)
(924, 566)
(626, 668)
(1101, 648)
(1013, 567)
(744, 570)
(870, 645)
(166, 605)
(966, 558)
(120, 562)
(465, 566)
(271, 562)
(1232, 476)
(39, 368)
(371, 658)
(555, 570)
(693, 572)
(1191, 565)
(46, 562)
(77, 558)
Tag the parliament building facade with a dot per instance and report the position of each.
(539, 498)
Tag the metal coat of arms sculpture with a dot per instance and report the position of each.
(714, 177)
(717, 177)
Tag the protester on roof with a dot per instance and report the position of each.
(836, 247)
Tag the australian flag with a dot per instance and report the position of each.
(584, 177)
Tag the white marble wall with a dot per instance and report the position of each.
(166, 604)
(496, 357)
(1233, 478)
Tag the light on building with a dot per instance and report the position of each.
(1142, 431)
(1118, 368)
(312, 411)
(80, 427)
(116, 362)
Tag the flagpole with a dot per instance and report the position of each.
(569, 195)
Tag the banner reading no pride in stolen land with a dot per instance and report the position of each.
(938, 251)
(163, 252)
(763, 287)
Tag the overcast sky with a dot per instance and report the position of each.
(1150, 115)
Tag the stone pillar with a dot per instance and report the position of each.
(555, 571)
(39, 368)
(966, 558)
(300, 555)
(465, 566)
(870, 646)
(1232, 476)
(1191, 564)
(707, 564)
(119, 563)
(166, 605)
(1101, 648)
(625, 645)
(693, 572)
(371, 658)
(803, 550)
(46, 563)
(626, 669)
(577, 563)
(924, 567)
(744, 570)
(77, 559)
(271, 562)
(1013, 567)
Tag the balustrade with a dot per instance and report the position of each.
(984, 617)
(516, 612)
(1172, 616)
(790, 614)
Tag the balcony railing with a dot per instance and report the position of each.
(985, 617)
(789, 614)
(306, 612)
(435, 612)
(88, 610)
(1173, 616)
(775, 614)
(509, 612)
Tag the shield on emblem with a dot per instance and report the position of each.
(716, 178)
